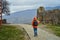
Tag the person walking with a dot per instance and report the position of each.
(35, 23)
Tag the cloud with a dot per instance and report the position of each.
(35, 2)
(19, 5)
(20, 8)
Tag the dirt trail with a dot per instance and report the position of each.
(42, 35)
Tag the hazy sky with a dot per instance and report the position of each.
(19, 5)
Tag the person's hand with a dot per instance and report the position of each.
(38, 22)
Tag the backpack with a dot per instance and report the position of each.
(35, 23)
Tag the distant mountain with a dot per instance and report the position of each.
(50, 8)
(25, 16)
(21, 16)
(58, 7)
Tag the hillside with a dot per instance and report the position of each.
(21, 16)
(50, 8)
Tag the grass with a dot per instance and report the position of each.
(51, 28)
(55, 29)
(10, 33)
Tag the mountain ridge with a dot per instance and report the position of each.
(25, 16)
(51, 8)
(21, 16)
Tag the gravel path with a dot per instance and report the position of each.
(42, 35)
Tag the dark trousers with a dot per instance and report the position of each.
(35, 31)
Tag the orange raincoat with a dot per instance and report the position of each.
(33, 21)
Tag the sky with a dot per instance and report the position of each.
(20, 5)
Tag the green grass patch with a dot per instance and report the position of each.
(40, 24)
(8, 32)
(55, 29)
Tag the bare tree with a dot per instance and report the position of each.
(5, 7)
